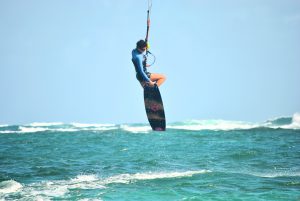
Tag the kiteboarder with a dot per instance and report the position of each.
(139, 60)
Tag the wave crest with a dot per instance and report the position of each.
(213, 125)
(56, 188)
(9, 186)
(194, 125)
(127, 178)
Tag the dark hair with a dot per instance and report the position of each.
(141, 44)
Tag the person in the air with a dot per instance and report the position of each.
(142, 75)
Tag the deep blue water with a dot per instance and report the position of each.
(193, 160)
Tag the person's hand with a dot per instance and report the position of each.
(151, 84)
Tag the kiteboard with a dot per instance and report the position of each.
(154, 108)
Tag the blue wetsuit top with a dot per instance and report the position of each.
(141, 71)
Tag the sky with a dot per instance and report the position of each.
(70, 60)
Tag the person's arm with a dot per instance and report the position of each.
(140, 69)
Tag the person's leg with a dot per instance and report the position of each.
(158, 78)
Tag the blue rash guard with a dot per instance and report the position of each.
(141, 71)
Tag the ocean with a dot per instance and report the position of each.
(193, 160)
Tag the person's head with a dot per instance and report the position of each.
(141, 45)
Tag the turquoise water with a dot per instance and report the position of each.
(192, 160)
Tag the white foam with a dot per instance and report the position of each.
(41, 129)
(294, 125)
(8, 132)
(295, 122)
(41, 198)
(94, 127)
(45, 124)
(81, 182)
(48, 190)
(128, 178)
(277, 174)
(57, 188)
(103, 128)
(9, 186)
(296, 118)
(214, 125)
(38, 129)
(64, 129)
(3, 125)
(82, 125)
(85, 178)
(136, 129)
(31, 129)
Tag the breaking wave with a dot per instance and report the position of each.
(276, 174)
(56, 127)
(194, 125)
(276, 123)
(57, 188)
(9, 186)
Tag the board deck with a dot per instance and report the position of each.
(154, 108)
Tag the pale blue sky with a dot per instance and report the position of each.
(70, 60)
